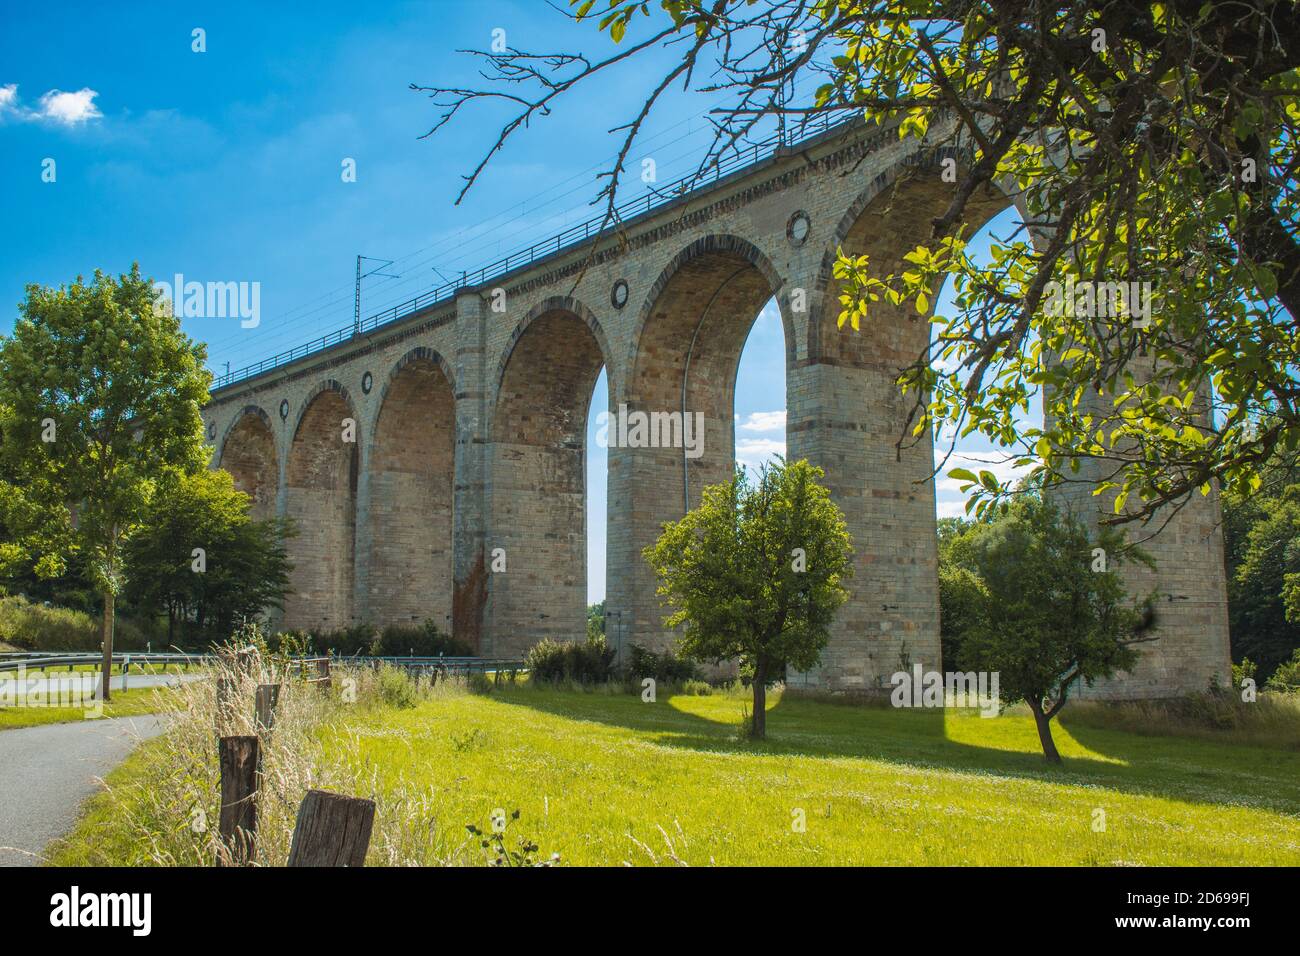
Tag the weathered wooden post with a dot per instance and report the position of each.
(268, 696)
(225, 693)
(238, 823)
(332, 830)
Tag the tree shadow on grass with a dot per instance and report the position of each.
(1196, 763)
(1193, 771)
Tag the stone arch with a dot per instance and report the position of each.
(722, 245)
(328, 385)
(887, 219)
(421, 354)
(537, 468)
(855, 424)
(321, 475)
(552, 304)
(685, 353)
(411, 468)
(250, 454)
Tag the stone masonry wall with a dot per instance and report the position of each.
(520, 357)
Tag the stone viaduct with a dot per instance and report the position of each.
(470, 419)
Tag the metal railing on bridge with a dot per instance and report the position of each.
(568, 238)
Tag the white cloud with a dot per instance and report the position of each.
(764, 422)
(949, 501)
(65, 109)
(69, 108)
(752, 452)
(1000, 464)
(951, 509)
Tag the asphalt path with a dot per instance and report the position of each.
(47, 772)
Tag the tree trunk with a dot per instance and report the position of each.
(1044, 730)
(758, 726)
(108, 641)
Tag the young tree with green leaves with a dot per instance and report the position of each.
(1262, 538)
(1022, 595)
(1144, 142)
(198, 557)
(100, 394)
(756, 573)
(596, 620)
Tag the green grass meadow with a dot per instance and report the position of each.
(123, 704)
(605, 779)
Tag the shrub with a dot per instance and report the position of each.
(425, 640)
(1240, 672)
(588, 662)
(290, 643)
(345, 641)
(396, 640)
(697, 688)
(1287, 675)
(41, 627)
(396, 687)
(665, 668)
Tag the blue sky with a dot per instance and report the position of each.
(225, 165)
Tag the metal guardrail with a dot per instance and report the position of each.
(20, 660)
(42, 661)
(552, 245)
(451, 665)
(96, 654)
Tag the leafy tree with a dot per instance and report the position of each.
(1286, 679)
(72, 589)
(1261, 537)
(99, 402)
(755, 573)
(963, 602)
(596, 620)
(1032, 609)
(1262, 534)
(1146, 143)
(242, 569)
(949, 528)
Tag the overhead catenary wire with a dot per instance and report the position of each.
(651, 198)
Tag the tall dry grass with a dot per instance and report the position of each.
(170, 811)
(1271, 720)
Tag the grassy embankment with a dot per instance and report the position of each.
(602, 778)
(129, 704)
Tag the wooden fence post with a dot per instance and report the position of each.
(268, 696)
(238, 824)
(332, 830)
(225, 694)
